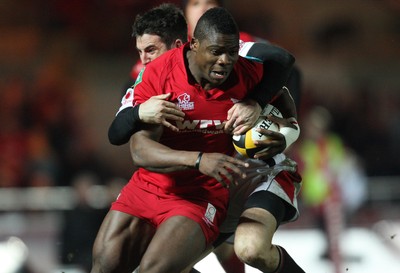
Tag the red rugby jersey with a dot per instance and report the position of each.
(205, 111)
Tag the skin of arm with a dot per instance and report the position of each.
(148, 153)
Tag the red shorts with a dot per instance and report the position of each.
(156, 206)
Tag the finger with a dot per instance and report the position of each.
(264, 155)
(230, 113)
(269, 142)
(226, 177)
(270, 134)
(171, 106)
(226, 129)
(229, 124)
(170, 126)
(241, 129)
(237, 162)
(219, 178)
(267, 154)
(175, 112)
(173, 117)
(162, 96)
(238, 121)
(280, 121)
(233, 168)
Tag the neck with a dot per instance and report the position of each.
(195, 73)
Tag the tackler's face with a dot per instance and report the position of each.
(149, 47)
(216, 56)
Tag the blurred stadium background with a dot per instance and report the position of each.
(63, 68)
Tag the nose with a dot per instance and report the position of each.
(145, 59)
(224, 59)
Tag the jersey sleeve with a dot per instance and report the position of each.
(127, 100)
(124, 125)
(127, 121)
(147, 85)
(277, 64)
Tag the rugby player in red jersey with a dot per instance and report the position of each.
(185, 105)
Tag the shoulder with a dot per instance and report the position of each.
(244, 64)
(249, 70)
(165, 62)
(266, 52)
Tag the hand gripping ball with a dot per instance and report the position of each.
(244, 144)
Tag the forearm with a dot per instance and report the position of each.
(148, 153)
(285, 103)
(124, 125)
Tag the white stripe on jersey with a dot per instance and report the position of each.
(244, 48)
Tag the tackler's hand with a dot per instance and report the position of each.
(242, 116)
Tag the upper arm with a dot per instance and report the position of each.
(268, 54)
(277, 63)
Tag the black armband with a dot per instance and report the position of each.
(124, 125)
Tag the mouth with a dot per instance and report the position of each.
(219, 75)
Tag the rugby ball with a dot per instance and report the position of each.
(244, 144)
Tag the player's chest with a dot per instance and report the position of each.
(197, 106)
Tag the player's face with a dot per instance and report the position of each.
(215, 57)
(150, 47)
(195, 9)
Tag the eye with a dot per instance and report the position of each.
(151, 50)
(215, 52)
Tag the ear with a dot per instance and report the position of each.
(178, 43)
(194, 44)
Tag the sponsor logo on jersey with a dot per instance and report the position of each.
(206, 126)
(184, 102)
(210, 214)
(127, 100)
(200, 124)
(139, 77)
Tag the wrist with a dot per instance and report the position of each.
(135, 113)
(291, 134)
(198, 160)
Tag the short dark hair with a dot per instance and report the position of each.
(166, 21)
(216, 19)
